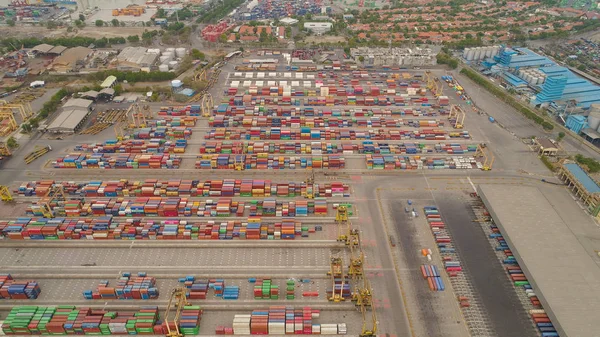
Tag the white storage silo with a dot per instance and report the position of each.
(534, 80)
(180, 52)
(176, 83)
(594, 119)
(520, 73)
(164, 59)
(488, 51)
(163, 67)
(173, 64)
(470, 54)
(154, 51)
(172, 50)
(477, 55)
(465, 53)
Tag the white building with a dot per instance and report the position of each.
(318, 27)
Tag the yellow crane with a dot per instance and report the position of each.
(4, 150)
(5, 194)
(177, 301)
(23, 109)
(310, 185)
(207, 104)
(336, 271)
(365, 330)
(488, 157)
(458, 114)
(37, 152)
(55, 193)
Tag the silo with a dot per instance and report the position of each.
(534, 80)
(172, 64)
(471, 54)
(163, 67)
(176, 83)
(172, 50)
(496, 50)
(520, 73)
(594, 119)
(488, 51)
(527, 77)
(164, 59)
(169, 54)
(180, 52)
(466, 52)
(477, 55)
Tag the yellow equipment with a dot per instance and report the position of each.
(458, 114)
(178, 301)
(5, 194)
(310, 185)
(4, 150)
(23, 109)
(488, 157)
(365, 331)
(207, 104)
(433, 83)
(12, 122)
(55, 193)
(200, 76)
(139, 115)
(336, 271)
(36, 153)
(238, 165)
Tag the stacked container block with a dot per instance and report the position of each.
(18, 290)
(127, 288)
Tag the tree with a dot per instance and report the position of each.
(161, 13)
(12, 142)
(361, 58)
(133, 38)
(198, 55)
(99, 23)
(560, 137)
(10, 22)
(34, 123)
(122, 23)
(115, 22)
(81, 17)
(79, 23)
(223, 38)
(581, 67)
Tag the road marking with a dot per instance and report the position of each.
(472, 185)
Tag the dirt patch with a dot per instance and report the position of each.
(326, 39)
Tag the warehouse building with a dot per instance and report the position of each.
(318, 27)
(582, 185)
(553, 257)
(395, 56)
(109, 82)
(136, 58)
(71, 117)
(71, 60)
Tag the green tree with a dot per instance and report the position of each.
(223, 38)
(81, 17)
(122, 23)
(560, 137)
(79, 23)
(361, 58)
(10, 22)
(161, 13)
(99, 23)
(34, 123)
(115, 22)
(133, 38)
(12, 143)
(198, 55)
(581, 67)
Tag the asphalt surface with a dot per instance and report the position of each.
(491, 283)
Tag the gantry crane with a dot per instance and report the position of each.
(5, 194)
(207, 104)
(4, 150)
(488, 156)
(345, 232)
(238, 165)
(37, 152)
(433, 83)
(458, 114)
(336, 271)
(366, 331)
(139, 115)
(23, 109)
(310, 185)
(55, 193)
(178, 301)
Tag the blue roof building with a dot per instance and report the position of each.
(521, 57)
(513, 80)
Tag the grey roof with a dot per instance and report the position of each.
(585, 180)
(137, 55)
(57, 50)
(68, 119)
(546, 143)
(562, 273)
(78, 102)
(108, 91)
(42, 48)
(91, 93)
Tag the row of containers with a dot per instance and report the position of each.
(127, 287)
(392, 162)
(312, 122)
(162, 132)
(298, 88)
(112, 228)
(192, 188)
(197, 289)
(173, 122)
(306, 133)
(71, 320)
(154, 146)
(318, 148)
(517, 276)
(264, 161)
(357, 74)
(338, 100)
(17, 289)
(281, 320)
(443, 240)
(179, 207)
(230, 109)
(117, 161)
(433, 277)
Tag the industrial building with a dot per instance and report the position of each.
(395, 56)
(71, 60)
(542, 243)
(71, 117)
(318, 27)
(582, 185)
(136, 58)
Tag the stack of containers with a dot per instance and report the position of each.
(18, 290)
(264, 289)
(128, 288)
(119, 161)
(281, 320)
(189, 323)
(290, 289)
(431, 274)
(198, 289)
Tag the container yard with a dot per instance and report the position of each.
(288, 201)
